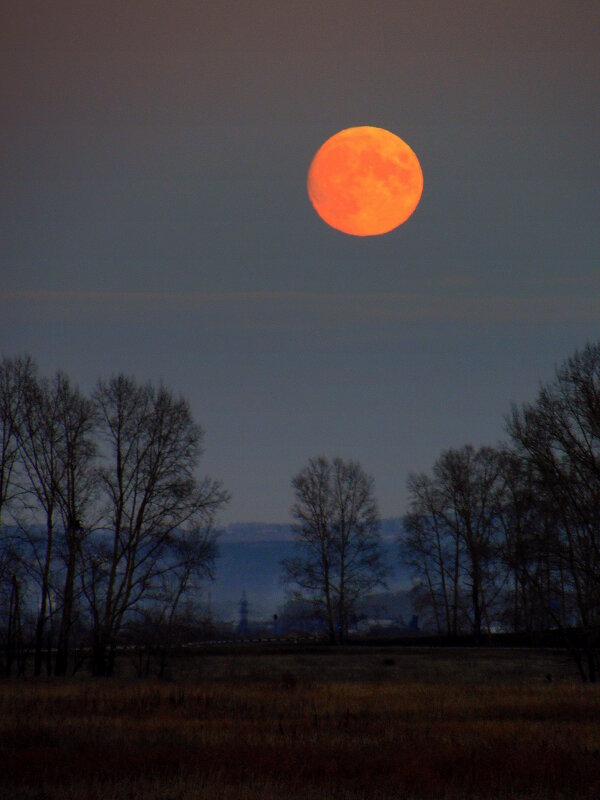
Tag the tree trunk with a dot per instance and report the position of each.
(434, 605)
(476, 607)
(476, 594)
(41, 620)
(99, 665)
(455, 593)
(62, 653)
(110, 667)
(14, 614)
(440, 555)
(330, 618)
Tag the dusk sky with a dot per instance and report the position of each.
(155, 219)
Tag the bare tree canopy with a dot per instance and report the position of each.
(449, 537)
(559, 434)
(75, 492)
(339, 556)
(510, 537)
(39, 435)
(15, 376)
(152, 500)
(110, 519)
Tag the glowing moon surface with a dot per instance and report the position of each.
(365, 181)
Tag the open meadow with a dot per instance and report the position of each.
(308, 723)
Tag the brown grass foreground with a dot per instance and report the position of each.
(246, 725)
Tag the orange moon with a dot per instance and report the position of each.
(365, 181)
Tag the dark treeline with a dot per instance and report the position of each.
(104, 524)
(508, 538)
(106, 530)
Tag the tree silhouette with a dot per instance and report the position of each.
(339, 556)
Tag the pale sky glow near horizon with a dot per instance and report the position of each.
(155, 220)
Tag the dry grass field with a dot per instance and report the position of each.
(309, 723)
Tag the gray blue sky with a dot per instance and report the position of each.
(154, 219)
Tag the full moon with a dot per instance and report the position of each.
(365, 181)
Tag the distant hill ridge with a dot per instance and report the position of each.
(283, 532)
(250, 560)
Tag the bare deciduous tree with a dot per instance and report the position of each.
(433, 550)
(38, 433)
(560, 435)
(15, 375)
(449, 537)
(76, 421)
(527, 539)
(467, 479)
(152, 500)
(337, 535)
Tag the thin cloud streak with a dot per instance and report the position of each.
(296, 310)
